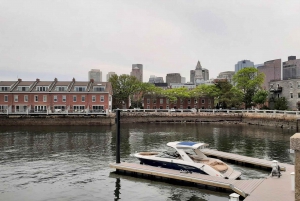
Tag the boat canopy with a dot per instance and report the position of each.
(186, 145)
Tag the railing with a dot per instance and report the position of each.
(105, 112)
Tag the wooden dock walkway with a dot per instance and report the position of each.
(242, 187)
(266, 189)
(241, 159)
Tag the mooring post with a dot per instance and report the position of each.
(295, 145)
(118, 138)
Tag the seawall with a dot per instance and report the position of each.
(264, 119)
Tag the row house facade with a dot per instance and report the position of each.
(55, 96)
(189, 103)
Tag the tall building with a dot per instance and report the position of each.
(136, 72)
(198, 79)
(228, 75)
(183, 80)
(173, 78)
(243, 64)
(205, 74)
(95, 74)
(192, 76)
(154, 79)
(291, 68)
(272, 71)
(109, 74)
(139, 66)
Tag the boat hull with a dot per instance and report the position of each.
(171, 165)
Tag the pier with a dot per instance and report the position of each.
(267, 189)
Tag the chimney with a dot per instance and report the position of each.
(92, 80)
(19, 80)
(55, 79)
(73, 79)
(37, 79)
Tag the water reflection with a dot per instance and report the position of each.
(74, 160)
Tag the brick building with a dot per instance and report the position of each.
(55, 96)
(164, 103)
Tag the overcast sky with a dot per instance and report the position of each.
(63, 39)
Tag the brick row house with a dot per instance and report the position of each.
(55, 96)
(164, 103)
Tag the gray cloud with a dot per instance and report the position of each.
(65, 39)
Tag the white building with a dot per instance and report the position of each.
(243, 64)
(109, 74)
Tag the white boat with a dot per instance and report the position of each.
(188, 157)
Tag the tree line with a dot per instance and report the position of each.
(245, 92)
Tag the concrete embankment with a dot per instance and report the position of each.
(264, 119)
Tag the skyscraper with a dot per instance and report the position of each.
(291, 68)
(198, 79)
(95, 74)
(272, 71)
(243, 64)
(109, 74)
(136, 72)
(139, 66)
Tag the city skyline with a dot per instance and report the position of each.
(63, 40)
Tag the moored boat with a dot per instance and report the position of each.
(188, 157)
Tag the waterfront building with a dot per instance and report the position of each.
(95, 74)
(228, 75)
(138, 73)
(290, 89)
(54, 96)
(109, 74)
(272, 71)
(154, 102)
(291, 68)
(243, 64)
(173, 78)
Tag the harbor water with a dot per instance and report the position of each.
(43, 163)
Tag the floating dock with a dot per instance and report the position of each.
(267, 189)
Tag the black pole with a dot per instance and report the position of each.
(118, 138)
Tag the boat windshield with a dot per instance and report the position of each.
(169, 153)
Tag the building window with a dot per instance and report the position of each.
(61, 88)
(4, 88)
(154, 101)
(298, 84)
(209, 101)
(79, 88)
(109, 97)
(101, 98)
(74, 98)
(181, 101)
(36, 98)
(55, 98)
(98, 89)
(167, 101)
(195, 101)
(154, 107)
(181, 107)
(64, 98)
(93, 98)
(23, 88)
(291, 95)
(148, 106)
(167, 107)
(6, 98)
(189, 101)
(298, 95)
(82, 98)
(44, 98)
(291, 85)
(148, 100)
(25, 98)
(42, 88)
(202, 101)
(161, 101)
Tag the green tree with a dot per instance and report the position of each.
(249, 81)
(123, 87)
(281, 104)
(260, 97)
